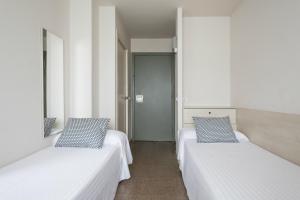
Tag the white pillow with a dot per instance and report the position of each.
(242, 138)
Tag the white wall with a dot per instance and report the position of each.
(152, 45)
(108, 27)
(123, 34)
(80, 71)
(265, 55)
(206, 61)
(21, 72)
(105, 83)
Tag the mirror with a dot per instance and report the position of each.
(53, 83)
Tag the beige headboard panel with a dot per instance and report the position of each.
(277, 132)
(190, 112)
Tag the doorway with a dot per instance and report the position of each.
(122, 88)
(154, 98)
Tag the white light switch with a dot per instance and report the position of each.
(139, 98)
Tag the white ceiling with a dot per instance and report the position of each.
(156, 18)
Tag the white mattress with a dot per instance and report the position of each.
(238, 171)
(69, 173)
(119, 139)
(187, 134)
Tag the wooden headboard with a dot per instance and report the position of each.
(278, 133)
(190, 112)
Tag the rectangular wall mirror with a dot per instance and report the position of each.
(53, 83)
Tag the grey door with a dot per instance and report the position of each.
(154, 97)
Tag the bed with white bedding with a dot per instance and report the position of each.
(69, 173)
(187, 134)
(236, 171)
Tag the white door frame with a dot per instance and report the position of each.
(179, 73)
(118, 40)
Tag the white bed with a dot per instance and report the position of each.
(187, 134)
(69, 173)
(237, 171)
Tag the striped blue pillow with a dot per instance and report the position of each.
(83, 133)
(214, 130)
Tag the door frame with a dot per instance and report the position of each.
(132, 82)
(126, 75)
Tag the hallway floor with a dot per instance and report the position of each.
(154, 174)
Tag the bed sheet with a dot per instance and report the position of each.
(235, 171)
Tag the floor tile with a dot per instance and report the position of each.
(154, 174)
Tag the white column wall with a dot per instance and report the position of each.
(106, 70)
(80, 71)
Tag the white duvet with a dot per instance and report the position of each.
(69, 173)
(237, 171)
(187, 134)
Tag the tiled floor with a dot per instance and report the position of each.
(154, 174)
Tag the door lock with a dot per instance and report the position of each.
(139, 98)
